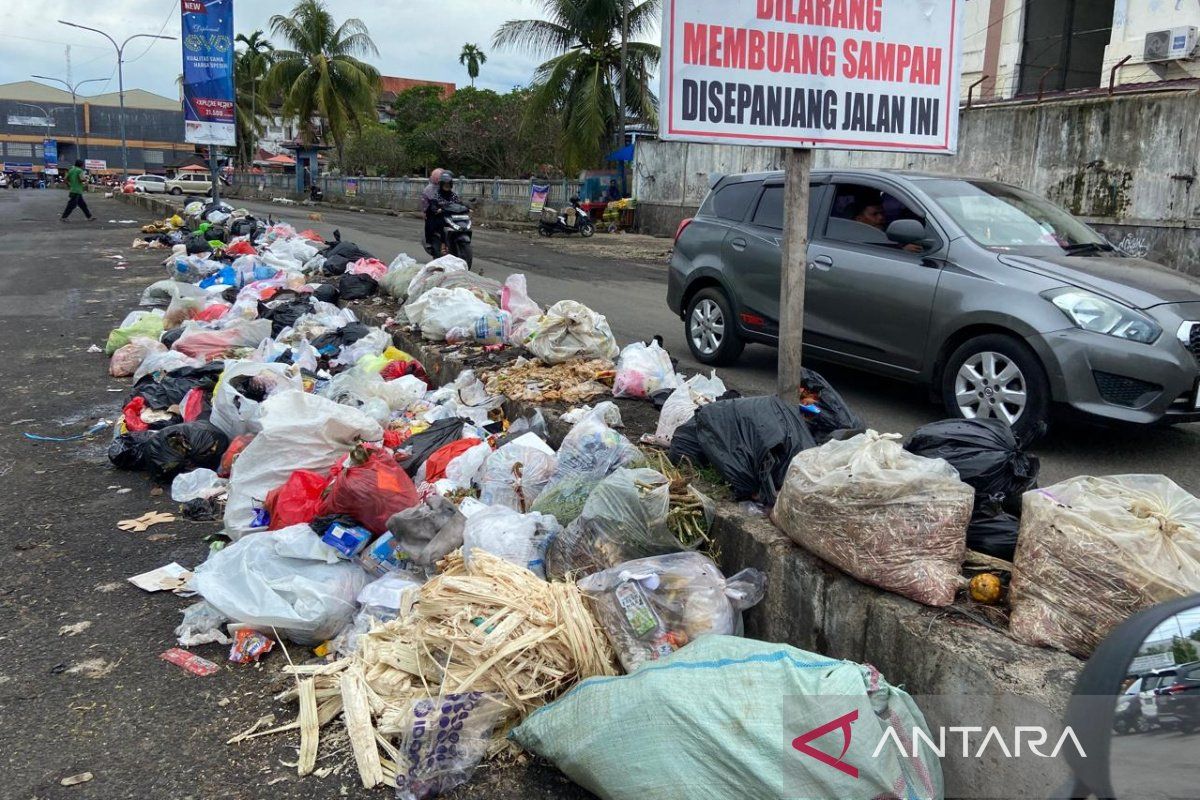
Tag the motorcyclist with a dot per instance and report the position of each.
(434, 210)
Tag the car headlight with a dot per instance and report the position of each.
(1101, 315)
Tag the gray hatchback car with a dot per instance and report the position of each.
(998, 299)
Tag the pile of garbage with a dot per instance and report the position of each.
(436, 559)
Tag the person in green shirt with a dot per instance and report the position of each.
(75, 188)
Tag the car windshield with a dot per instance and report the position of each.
(1007, 219)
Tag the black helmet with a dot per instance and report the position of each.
(446, 179)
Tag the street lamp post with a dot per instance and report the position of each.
(74, 90)
(47, 116)
(120, 48)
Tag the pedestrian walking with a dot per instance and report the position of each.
(75, 187)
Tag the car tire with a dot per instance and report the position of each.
(999, 376)
(709, 328)
(175, 190)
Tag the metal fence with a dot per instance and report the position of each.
(392, 190)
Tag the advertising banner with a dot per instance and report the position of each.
(538, 193)
(50, 152)
(95, 164)
(208, 94)
(839, 74)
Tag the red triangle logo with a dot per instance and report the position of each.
(842, 723)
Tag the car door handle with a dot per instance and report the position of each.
(822, 263)
(738, 244)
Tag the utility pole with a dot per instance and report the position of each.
(74, 90)
(120, 48)
(798, 167)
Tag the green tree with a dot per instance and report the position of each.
(472, 57)
(412, 112)
(322, 74)
(1184, 651)
(480, 132)
(250, 67)
(580, 79)
(376, 150)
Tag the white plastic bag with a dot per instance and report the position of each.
(161, 293)
(439, 310)
(197, 484)
(269, 580)
(570, 330)
(643, 370)
(399, 275)
(165, 362)
(519, 539)
(420, 282)
(464, 468)
(299, 431)
(607, 410)
(681, 407)
(514, 298)
(235, 413)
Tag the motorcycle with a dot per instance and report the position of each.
(552, 222)
(315, 193)
(455, 237)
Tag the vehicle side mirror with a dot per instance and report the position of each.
(1136, 708)
(907, 231)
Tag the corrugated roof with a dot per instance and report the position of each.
(136, 98)
(32, 91)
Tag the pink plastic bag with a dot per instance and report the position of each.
(368, 266)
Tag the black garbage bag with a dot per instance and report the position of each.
(170, 336)
(422, 445)
(993, 531)
(328, 344)
(172, 386)
(834, 414)
(284, 312)
(340, 255)
(751, 441)
(986, 454)
(217, 233)
(685, 443)
(242, 227)
(357, 287)
(326, 293)
(128, 451)
(197, 243)
(185, 447)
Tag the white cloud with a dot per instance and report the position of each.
(416, 38)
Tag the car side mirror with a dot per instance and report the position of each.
(1136, 708)
(907, 231)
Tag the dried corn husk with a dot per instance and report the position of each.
(572, 382)
(490, 627)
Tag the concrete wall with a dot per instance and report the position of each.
(1127, 164)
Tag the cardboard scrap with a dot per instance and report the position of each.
(169, 578)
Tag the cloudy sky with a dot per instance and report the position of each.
(416, 38)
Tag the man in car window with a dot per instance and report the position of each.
(871, 213)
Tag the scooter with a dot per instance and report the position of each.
(315, 193)
(455, 238)
(583, 223)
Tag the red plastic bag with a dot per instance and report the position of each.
(312, 236)
(398, 369)
(191, 407)
(232, 452)
(242, 248)
(211, 313)
(370, 491)
(133, 415)
(435, 466)
(297, 501)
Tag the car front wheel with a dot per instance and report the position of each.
(997, 376)
(709, 328)
(176, 191)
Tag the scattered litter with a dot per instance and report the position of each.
(190, 661)
(102, 425)
(73, 780)
(73, 630)
(92, 668)
(145, 521)
(169, 578)
(95, 349)
(249, 646)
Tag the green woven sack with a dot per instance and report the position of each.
(726, 717)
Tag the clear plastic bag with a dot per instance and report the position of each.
(889, 518)
(201, 625)
(399, 275)
(624, 518)
(283, 579)
(514, 475)
(445, 739)
(607, 410)
(197, 484)
(392, 596)
(570, 330)
(199, 341)
(1093, 551)
(642, 370)
(651, 607)
(681, 406)
(519, 539)
(234, 412)
(588, 453)
(126, 360)
(161, 293)
(164, 362)
(514, 298)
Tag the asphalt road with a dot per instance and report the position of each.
(633, 297)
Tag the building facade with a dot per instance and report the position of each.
(31, 113)
(1019, 48)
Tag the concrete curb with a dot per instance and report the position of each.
(814, 606)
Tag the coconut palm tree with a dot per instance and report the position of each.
(472, 57)
(250, 68)
(580, 79)
(321, 75)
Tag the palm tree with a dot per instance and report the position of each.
(472, 57)
(580, 79)
(321, 75)
(250, 68)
